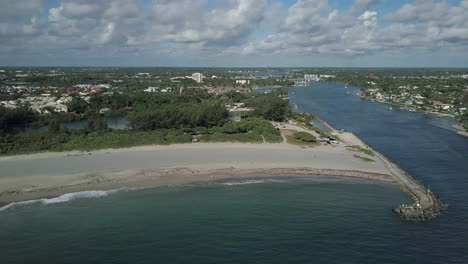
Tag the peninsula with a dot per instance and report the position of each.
(61, 141)
(45, 175)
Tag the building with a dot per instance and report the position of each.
(312, 77)
(243, 81)
(198, 77)
(151, 89)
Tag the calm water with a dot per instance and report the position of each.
(321, 221)
(117, 123)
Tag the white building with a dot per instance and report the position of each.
(151, 89)
(311, 77)
(243, 81)
(198, 77)
(327, 76)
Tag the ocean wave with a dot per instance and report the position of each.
(63, 198)
(249, 182)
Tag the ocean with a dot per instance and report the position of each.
(269, 221)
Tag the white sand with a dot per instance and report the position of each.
(50, 174)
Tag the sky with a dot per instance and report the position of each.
(234, 33)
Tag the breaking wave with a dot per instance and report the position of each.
(249, 182)
(63, 198)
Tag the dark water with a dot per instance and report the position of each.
(117, 123)
(326, 221)
(291, 222)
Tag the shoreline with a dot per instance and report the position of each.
(52, 174)
(460, 130)
(183, 177)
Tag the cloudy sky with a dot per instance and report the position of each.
(343, 33)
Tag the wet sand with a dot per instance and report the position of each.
(42, 175)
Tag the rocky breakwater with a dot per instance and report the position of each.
(421, 212)
(426, 204)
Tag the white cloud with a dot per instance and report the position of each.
(229, 27)
(311, 27)
(185, 21)
(20, 20)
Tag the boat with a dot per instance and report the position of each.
(390, 108)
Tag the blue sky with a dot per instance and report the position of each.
(315, 33)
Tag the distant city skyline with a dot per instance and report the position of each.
(234, 33)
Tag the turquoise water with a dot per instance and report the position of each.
(269, 222)
(326, 221)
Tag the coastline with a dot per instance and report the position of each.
(145, 179)
(45, 175)
(461, 131)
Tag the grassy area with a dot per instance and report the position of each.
(247, 130)
(357, 148)
(302, 139)
(249, 137)
(365, 159)
(304, 120)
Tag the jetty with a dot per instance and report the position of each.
(426, 205)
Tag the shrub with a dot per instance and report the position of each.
(304, 137)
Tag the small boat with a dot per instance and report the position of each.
(390, 108)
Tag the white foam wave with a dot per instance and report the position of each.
(62, 198)
(249, 182)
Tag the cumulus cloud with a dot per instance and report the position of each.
(312, 27)
(185, 21)
(89, 23)
(20, 20)
(229, 27)
(436, 21)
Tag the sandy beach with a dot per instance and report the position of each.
(27, 177)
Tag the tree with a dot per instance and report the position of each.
(270, 107)
(78, 105)
(54, 126)
(176, 116)
(96, 123)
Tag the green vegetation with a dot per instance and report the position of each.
(178, 116)
(464, 120)
(302, 139)
(247, 130)
(365, 159)
(305, 119)
(15, 118)
(270, 106)
(249, 137)
(356, 148)
(40, 141)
